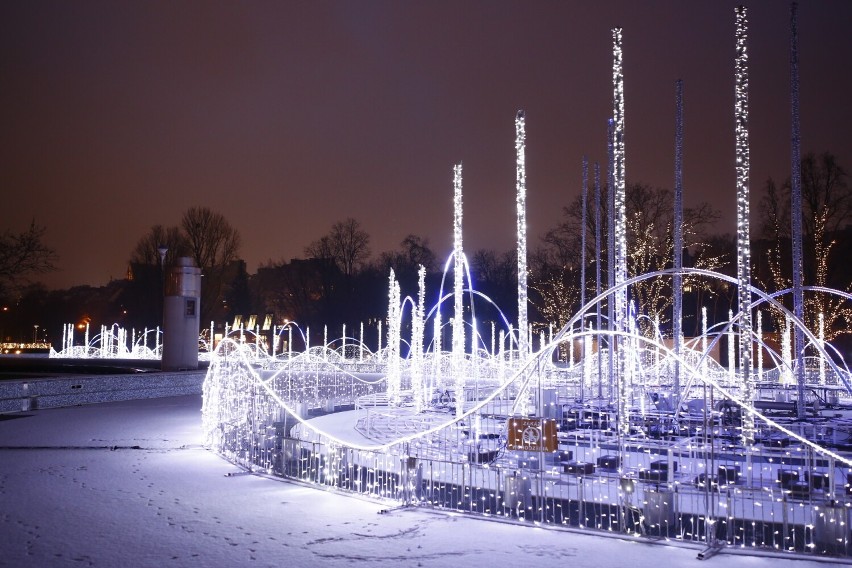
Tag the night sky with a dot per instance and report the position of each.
(289, 116)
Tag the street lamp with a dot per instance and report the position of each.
(162, 249)
(35, 333)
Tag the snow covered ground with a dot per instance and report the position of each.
(129, 484)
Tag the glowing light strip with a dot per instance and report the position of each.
(393, 367)
(521, 200)
(743, 228)
(618, 174)
(457, 355)
(417, 323)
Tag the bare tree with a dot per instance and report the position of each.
(147, 248)
(347, 243)
(23, 255)
(414, 252)
(213, 243)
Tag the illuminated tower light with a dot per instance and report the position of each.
(417, 324)
(743, 227)
(620, 224)
(457, 355)
(521, 200)
(393, 372)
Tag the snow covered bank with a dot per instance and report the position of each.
(128, 483)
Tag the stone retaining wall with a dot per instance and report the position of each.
(36, 393)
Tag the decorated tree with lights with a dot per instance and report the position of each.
(650, 246)
(826, 213)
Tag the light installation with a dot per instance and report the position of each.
(620, 224)
(743, 223)
(521, 201)
(502, 428)
(458, 283)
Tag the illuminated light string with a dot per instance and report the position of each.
(416, 351)
(521, 202)
(527, 377)
(457, 355)
(787, 353)
(743, 226)
(620, 224)
(393, 356)
(239, 397)
(246, 370)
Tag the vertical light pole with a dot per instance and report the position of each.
(743, 228)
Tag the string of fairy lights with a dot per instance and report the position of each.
(743, 218)
(521, 201)
(511, 433)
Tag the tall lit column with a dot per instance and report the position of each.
(743, 229)
(418, 313)
(457, 355)
(393, 367)
(796, 210)
(521, 199)
(618, 174)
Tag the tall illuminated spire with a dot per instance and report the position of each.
(393, 368)
(743, 228)
(457, 355)
(618, 175)
(416, 351)
(521, 199)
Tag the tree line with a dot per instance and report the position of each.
(339, 281)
